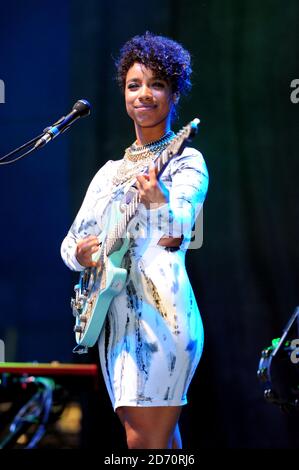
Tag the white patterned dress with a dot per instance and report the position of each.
(152, 338)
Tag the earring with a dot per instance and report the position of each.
(176, 98)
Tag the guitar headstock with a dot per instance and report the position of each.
(186, 134)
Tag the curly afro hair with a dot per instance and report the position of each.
(165, 57)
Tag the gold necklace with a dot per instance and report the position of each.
(138, 152)
(138, 157)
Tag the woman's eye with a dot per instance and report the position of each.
(158, 84)
(132, 86)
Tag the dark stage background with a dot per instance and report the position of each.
(246, 275)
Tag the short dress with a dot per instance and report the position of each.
(152, 339)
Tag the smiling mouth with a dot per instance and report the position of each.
(145, 107)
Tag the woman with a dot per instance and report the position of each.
(152, 339)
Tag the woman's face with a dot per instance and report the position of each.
(148, 100)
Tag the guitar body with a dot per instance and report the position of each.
(97, 286)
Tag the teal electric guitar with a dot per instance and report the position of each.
(97, 286)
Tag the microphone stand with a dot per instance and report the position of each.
(27, 144)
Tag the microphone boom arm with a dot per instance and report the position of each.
(80, 109)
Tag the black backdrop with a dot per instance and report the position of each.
(246, 274)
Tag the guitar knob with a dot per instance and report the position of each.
(78, 329)
(83, 318)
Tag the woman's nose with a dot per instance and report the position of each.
(145, 93)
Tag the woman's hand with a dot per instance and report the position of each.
(150, 189)
(85, 249)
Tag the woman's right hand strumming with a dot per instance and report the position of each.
(85, 249)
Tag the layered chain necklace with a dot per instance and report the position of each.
(138, 157)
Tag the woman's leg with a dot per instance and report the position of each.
(150, 427)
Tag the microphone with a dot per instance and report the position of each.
(80, 109)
